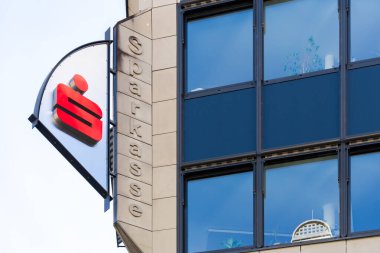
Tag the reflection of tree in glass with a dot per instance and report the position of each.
(304, 62)
(232, 243)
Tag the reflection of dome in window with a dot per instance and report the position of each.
(197, 89)
(311, 230)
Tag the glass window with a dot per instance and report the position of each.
(365, 193)
(220, 212)
(300, 36)
(219, 50)
(309, 193)
(365, 36)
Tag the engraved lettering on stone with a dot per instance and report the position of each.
(134, 88)
(134, 150)
(134, 107)
(135, 190)
(135, 128)
(135, 210)
(135, 68)
(135, 169)
(135, 45)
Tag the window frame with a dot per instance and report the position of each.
(215, 171)
(361, 63)
(197, 12)
(308, 74)
(360, 149)
(351, 67)
(305, 156)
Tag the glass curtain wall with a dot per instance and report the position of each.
(298, 133)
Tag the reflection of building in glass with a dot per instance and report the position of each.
(311, 230)
(300, 197)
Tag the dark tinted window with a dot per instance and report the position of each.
(301, 111)
(220, 125)
(363, 100)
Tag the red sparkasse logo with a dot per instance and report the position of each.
(75, 113)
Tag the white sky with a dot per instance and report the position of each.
(46, 206)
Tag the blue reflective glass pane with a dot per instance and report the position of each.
(219, 50)
(365, 35)
(301, 111)
(220, 212)
(220, 125)
(363, 100)
(297, 192)
(365, 193)
(300, 36)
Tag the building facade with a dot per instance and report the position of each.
(247, 126)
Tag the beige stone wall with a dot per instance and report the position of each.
(164, 20)
(147, 127)
(134, 212)
(360, 245)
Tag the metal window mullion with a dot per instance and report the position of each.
(259, 186)
(343, 152)
(346, 4)
(343, 58)
(259, 204)
(343, 190)
(181, 215)
(259, 49)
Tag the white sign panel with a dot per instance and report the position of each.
(72, 111)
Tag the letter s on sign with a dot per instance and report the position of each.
(135, 190)
(135, 169)
(135, 45)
